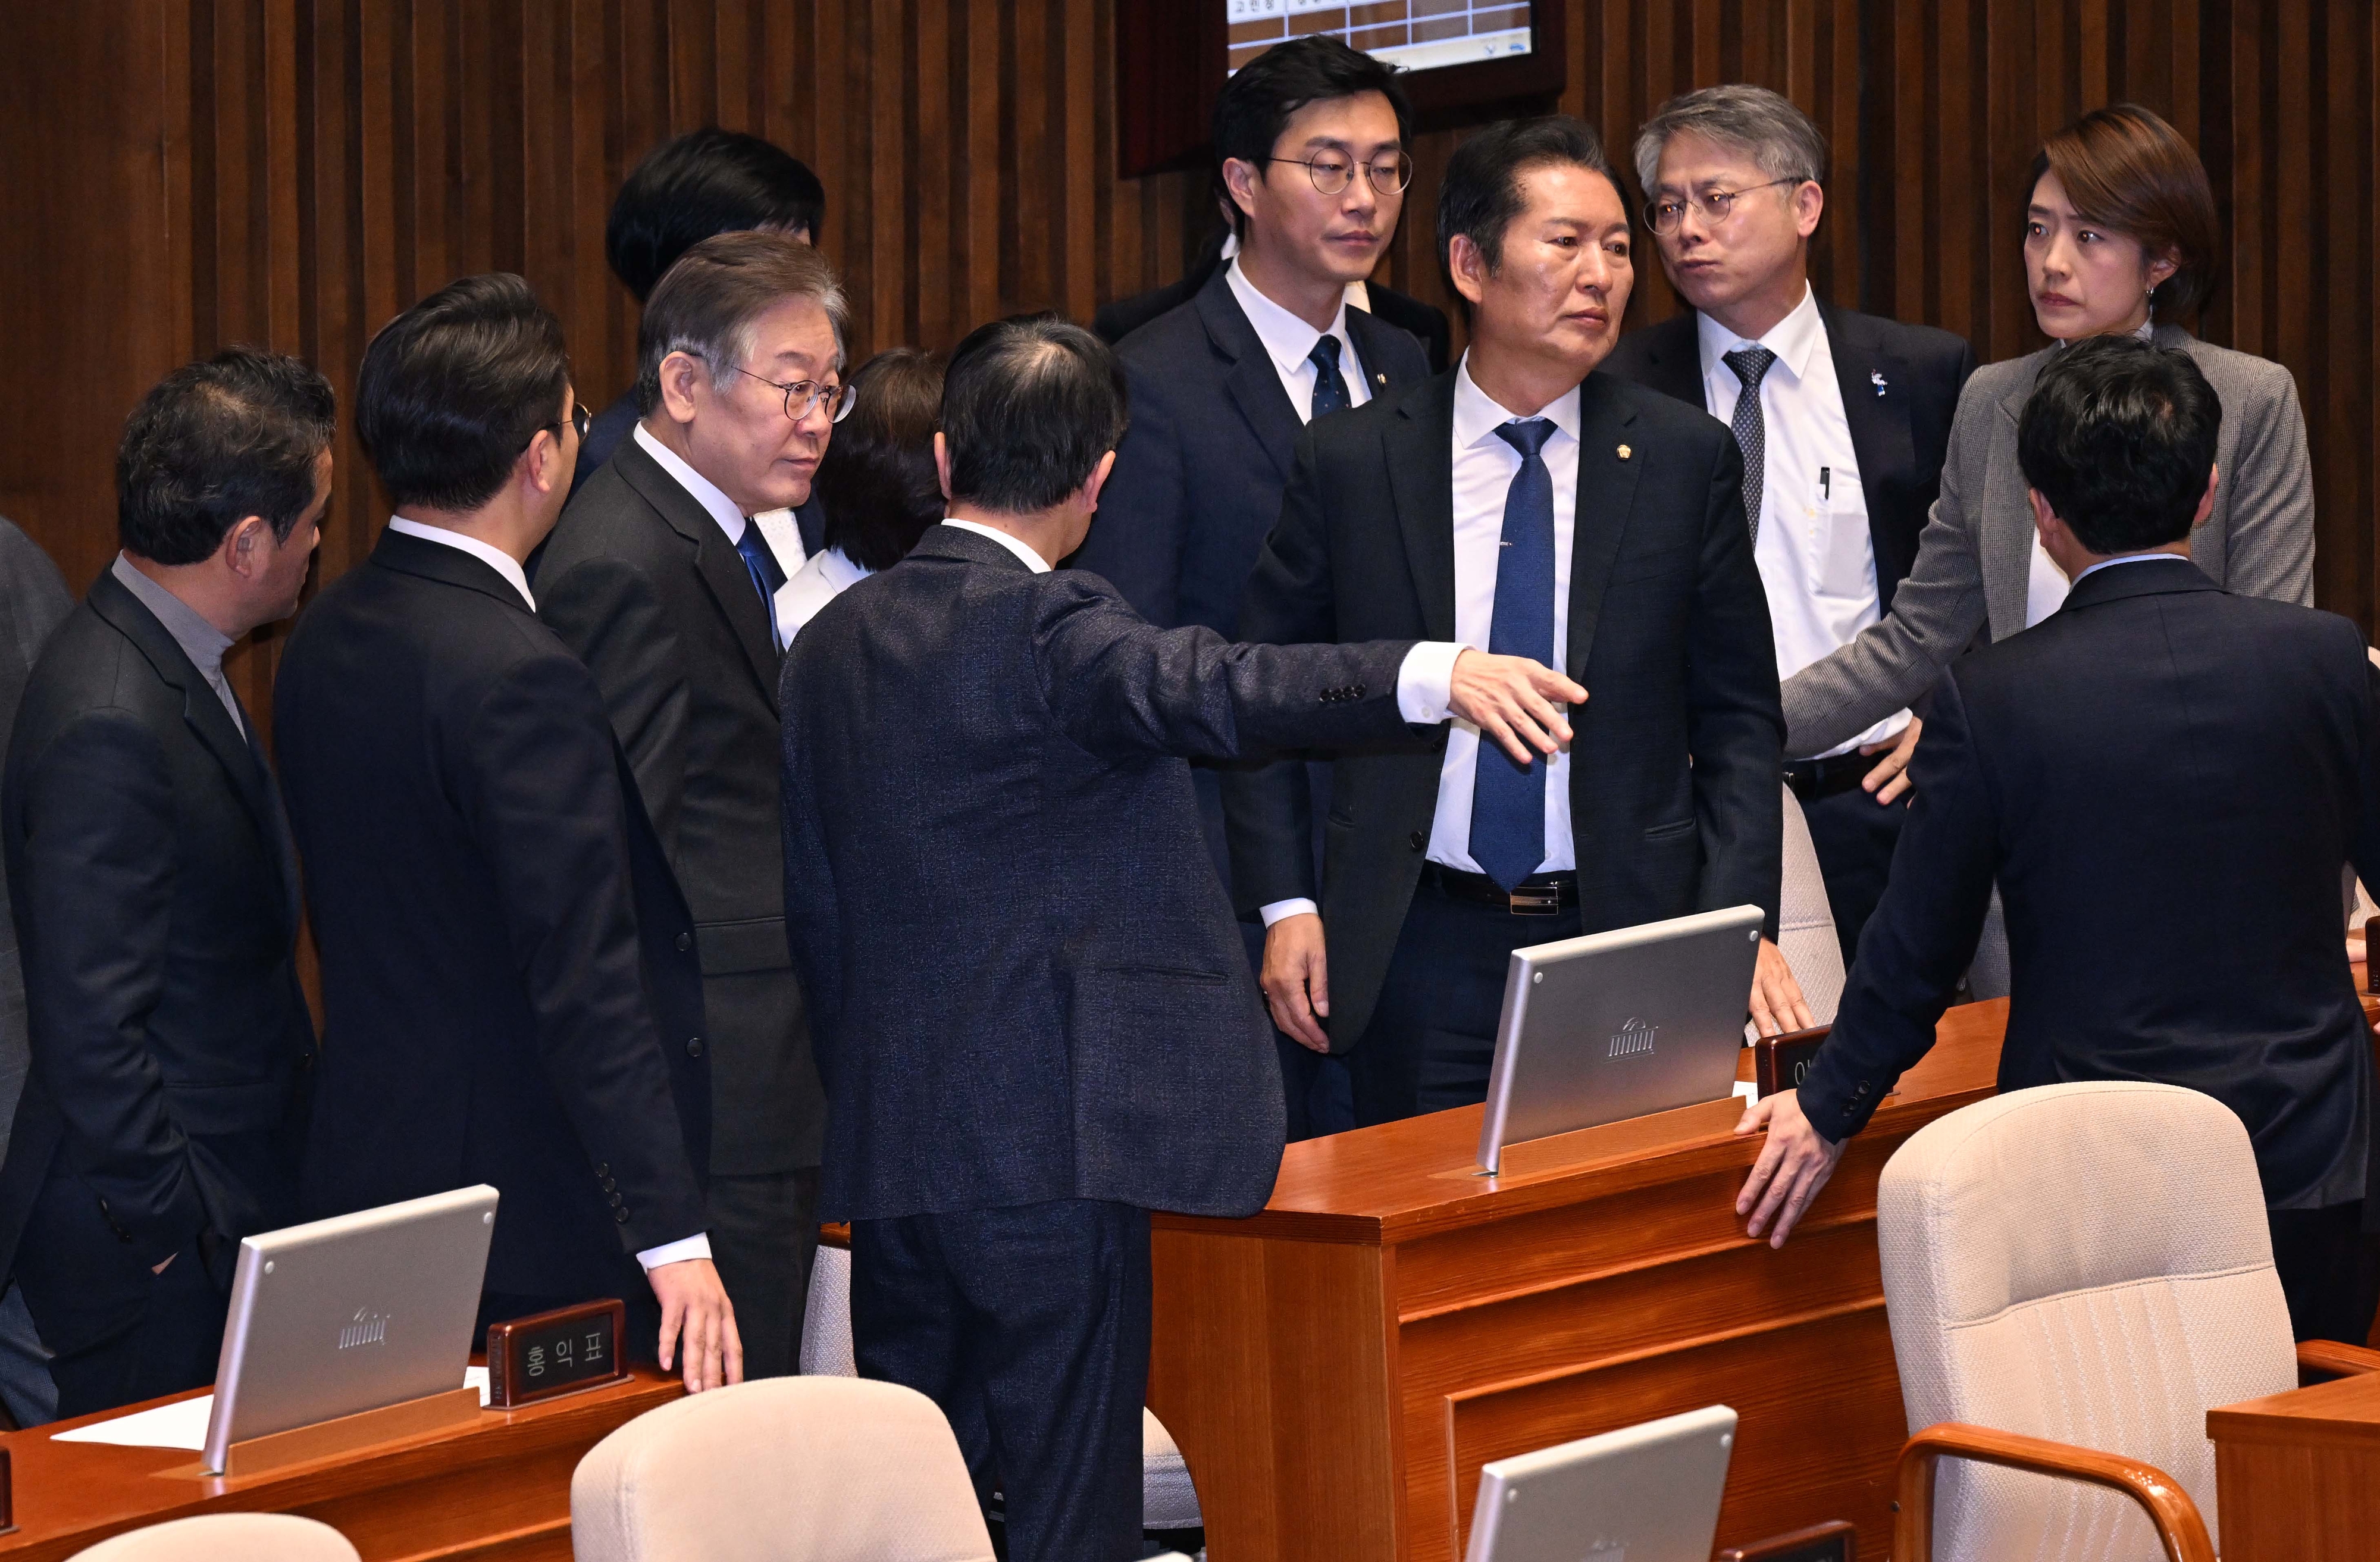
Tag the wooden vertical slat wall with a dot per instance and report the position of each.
(179, 174)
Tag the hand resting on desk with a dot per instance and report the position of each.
(1793, 1165)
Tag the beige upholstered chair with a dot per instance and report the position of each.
(1168, 1500)
(2086, 1266)
(779, 1470)
(225, 1537)
(1806, 925)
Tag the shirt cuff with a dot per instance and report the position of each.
(1426, 682)
(696, 1246)
(1295, 907)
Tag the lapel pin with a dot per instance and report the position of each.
(1625, 452)
(1380, 379)
(1877, 379)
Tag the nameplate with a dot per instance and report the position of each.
(554, 1353)
(1835, 1542)
(1780, 1062)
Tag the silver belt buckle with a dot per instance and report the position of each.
(1538, 900)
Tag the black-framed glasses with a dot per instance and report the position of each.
(804, 396)
(1664, 214)
(1333, 172)
(581, 422)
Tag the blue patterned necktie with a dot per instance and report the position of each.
(1329, 388)
(1508, 800)
(761, 564)
(1751, 364)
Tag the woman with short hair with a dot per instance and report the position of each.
(877, 481)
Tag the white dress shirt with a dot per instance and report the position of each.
(493, 557)
(1813, 551)
(775, 525)
(1484, 469)
(2128, 559)
(1033, 561)
(503, 563)
(1287, 341)
(826, 576)
(1359, 296)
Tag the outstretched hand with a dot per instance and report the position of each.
(1515, 702)
(695, 1306)
(1793, 1165)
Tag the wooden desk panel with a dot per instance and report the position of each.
(1337, 1368)
(498, 1491)
(2297, 1475)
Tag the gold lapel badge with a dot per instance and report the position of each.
(1625, 452)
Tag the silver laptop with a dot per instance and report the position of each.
(344, 1315)
(1642, 1494)
(1618, 1024)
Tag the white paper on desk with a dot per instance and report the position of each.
(183, 1424)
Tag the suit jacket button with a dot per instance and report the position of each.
(1355, 690)
(620, 1215)
(1416, 840)
(685, 942)
(694, 1046)
(609, 1185)
(602, 1170)
(615, 1200)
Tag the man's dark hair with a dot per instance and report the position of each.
(215, 442)
(2119, 438)
(876, 479)
(705, 182)
(1481, 194)
(1257, 101)
(452, 390)
(1029, 405)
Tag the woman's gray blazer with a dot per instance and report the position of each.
(1975, 553)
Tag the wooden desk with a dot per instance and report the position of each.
(2297, 1475)
(496, 1492)
(1337, 1368)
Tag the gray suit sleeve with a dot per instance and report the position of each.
(2269, 552)
(1934, 614)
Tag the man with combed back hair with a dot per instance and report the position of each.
(156, 896)
(1032, 1011)
(2166, 777)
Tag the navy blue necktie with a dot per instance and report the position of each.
(761, 564)
(1508, 800)
(1329, 388)
(1751, 365)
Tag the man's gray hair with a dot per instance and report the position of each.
(1779, 138)
(709, 301)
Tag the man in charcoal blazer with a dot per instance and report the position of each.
(2157, 742)
(1033, 1015)
(507, 961)
(153, 882)
(658, 577)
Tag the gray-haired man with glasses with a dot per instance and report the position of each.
(1842, 420)
(659, 579)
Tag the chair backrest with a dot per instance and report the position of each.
(779, 1470)
(227, 1537)
(1806, 925)
(2087, 1262)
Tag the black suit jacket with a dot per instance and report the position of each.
(508, 971)
(640, 580)
(151, 875)
(2164, 779)
(1674, 796)
(1900, 387)
(1425, 322)
(33, 601)
(1024, 981)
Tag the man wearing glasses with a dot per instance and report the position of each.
(1842, 420)
(659, 579)
(1310, 161)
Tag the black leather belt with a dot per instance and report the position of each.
(1813, 779)
(1543, 896)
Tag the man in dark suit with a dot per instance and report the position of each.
(2157, 742)
(1222, 386)
(1622, 551)
(658, 579)
(508, 964)
(1843, 430)
(981, 770)
(154, 889)
(1118, 318)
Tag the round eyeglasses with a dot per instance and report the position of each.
(1332, 171)
(806, 397)
(580, 421)
(1664, 214)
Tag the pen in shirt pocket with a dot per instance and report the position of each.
(1827, 483)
